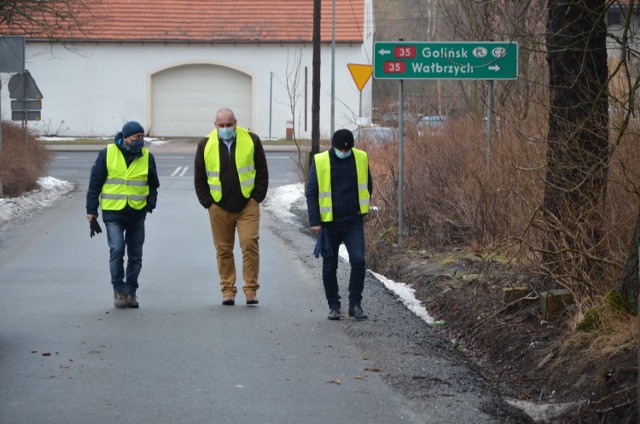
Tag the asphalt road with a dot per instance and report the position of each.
(67, 356)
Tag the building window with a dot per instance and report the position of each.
(614, 16)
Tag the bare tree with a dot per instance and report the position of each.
(293, 85)
(625, 77)
(520, 21)
(578, 137)
(43, 18)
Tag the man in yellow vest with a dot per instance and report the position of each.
(231, 179)
(124, 184)
(338, 192)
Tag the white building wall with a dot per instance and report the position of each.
(92, 89)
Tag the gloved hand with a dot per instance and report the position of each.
(95, 227)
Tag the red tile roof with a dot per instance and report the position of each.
(210, 21)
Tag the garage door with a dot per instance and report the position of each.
(184, 99)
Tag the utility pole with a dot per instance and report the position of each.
(270, 100)
(333, 67)
(315, 80)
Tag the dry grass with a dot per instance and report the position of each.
(22, 161)
(452, 193)
(461, 191)
(617, 331)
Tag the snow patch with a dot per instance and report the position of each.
(15, 207)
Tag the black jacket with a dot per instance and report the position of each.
(344, 192)
(232, 200)
(99, 176)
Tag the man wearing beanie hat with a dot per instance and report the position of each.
(342, 140)
(338, 192)
(124, 184)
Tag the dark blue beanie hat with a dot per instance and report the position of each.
(130, 128)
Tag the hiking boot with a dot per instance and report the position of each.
(120, 300)
(132, 301)
(229, 300)
(334, 314)
(357, 312)
(252, 299)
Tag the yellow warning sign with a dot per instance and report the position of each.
(360, 74)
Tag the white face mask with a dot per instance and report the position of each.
(226, 133)
(342, 155)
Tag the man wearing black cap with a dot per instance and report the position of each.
(124, 184)
(338, 192)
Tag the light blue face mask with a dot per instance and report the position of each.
(226, 133)
(342, 155)
(133, 147)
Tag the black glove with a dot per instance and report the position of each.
(95, 227)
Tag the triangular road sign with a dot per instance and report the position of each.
(360, 74)
(23, 86)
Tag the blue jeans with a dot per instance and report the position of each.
(129, 237)
(353, 238)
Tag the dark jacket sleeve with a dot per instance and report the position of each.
(313, 207)
(200, 180)
(370, 183)
(262, 171)
(96, 181)
(154, 184)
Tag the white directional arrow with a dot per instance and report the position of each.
(494, 68)
(384, 52)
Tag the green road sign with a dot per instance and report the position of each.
(479, 60)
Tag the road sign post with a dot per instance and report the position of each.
(470, 60)
(484, 60)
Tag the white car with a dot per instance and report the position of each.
(431, 124)
(374, 135)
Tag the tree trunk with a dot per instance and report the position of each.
(578, 150)
(629, 286)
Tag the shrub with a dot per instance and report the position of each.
(22, 161)
(455, 196)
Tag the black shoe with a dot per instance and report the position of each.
(334, 314)
(357, 312)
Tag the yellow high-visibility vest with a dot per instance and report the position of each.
(244, 163)
(125, 185)
(323, 172)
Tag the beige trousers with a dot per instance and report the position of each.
(223, 228)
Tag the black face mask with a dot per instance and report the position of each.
(136, 146)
